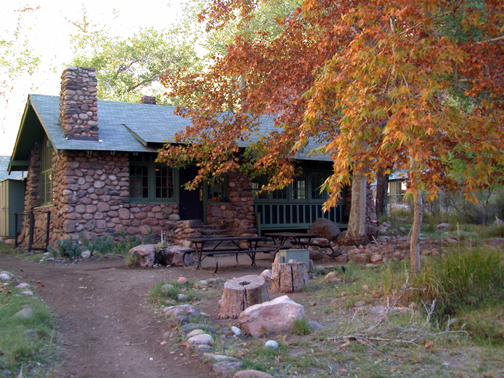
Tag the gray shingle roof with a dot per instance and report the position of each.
(124, 126)
(4, 174)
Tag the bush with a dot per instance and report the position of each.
(458, 281)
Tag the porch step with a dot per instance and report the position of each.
(208, 231)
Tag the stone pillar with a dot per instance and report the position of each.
(79, 103)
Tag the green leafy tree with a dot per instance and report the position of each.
(16, 58)
(127, 68)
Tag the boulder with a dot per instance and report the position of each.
(325, 229)
(174, 255)
(274, 317)
(146, 255)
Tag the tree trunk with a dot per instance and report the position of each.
(289, 277)
(357, 222)
(381, 192)
(241, 293)
(417, 220)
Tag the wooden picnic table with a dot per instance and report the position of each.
(280, 238)
(298, 238)
(213, 246)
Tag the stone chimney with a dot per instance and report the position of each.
(148, 100)
(79, 103)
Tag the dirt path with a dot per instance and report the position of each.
(101, 306)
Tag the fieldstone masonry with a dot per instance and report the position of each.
(79, 103)
(237, 215)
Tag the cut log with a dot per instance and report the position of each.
(289, 277)
(240, 293)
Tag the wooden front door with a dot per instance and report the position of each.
(190, 201)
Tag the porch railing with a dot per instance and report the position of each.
(294, 216)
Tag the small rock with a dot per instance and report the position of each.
(443, 226)
(226, 367)
(371, 266)
(195, 332)
(236, 331)
(201, 339)
(27, 292)
(24, 313)
(166, 288)
(271, 344)
(182, 280)
(320, 269)
(251, 374)
(220, 357)
(267, 275)
(365, 287)
(30, 333)
(182, 297)
(85, 254)
(376, 258)
(360, 304)
(23, 286)
(203, 348)
(204, 282)
(4, 276)
(330, 276)
(192, 326)
(315, 326)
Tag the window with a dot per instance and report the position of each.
(150, 181)
(257, 185)
(317, 180)
(299, 187)
(305, 187)
(46, 172)
(218, 191)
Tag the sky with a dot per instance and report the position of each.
(47, 30)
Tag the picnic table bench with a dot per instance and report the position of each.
(214, 246)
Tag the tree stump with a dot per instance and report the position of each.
(289, 277)
(241, 293)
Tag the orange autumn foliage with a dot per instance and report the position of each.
(411, 80)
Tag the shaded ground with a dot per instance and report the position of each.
(101, 306)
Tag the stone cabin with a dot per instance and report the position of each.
(91, 164)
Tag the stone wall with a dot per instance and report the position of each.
(32, 201)
(95, 198)
(237, 214)
(91, 196)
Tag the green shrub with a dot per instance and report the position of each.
(459, 280)
(67, 248)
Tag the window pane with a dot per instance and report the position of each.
(164, 181)
(280, 194)
(256, 187)
(139, 181)
(317, 180)
(299, 189)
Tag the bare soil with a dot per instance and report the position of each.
(105, 326)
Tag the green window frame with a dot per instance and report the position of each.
(151, 182)
(46, 173)
(317, 180)
(218, 191)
